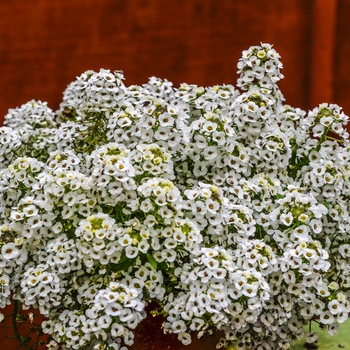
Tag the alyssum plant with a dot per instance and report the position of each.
(226, 207)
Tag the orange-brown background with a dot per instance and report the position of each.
(45, 44)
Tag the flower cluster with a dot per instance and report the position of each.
(215, 295)
(224, 206)
(260, 66)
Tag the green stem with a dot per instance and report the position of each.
(332, 246)
(334, 139)
(37, 342)
(14, 325)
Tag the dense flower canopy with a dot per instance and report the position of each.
(227, 207)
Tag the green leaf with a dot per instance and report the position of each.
(326, 204)
(279, 196)
(122, 266)
(164, 266)
(152, 261)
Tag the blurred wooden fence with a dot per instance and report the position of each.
(44, 45)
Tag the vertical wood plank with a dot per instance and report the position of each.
(342, 54)
(323, 52)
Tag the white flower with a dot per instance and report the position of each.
(326, 318)
(249, 290)
(335, 307)
(184, 338)
(131, 252)
(311, 337)
(287, 219)
(146, 205)
(125, 240)
(9, 251)
(178, 326)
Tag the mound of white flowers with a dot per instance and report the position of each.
(222, 204)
